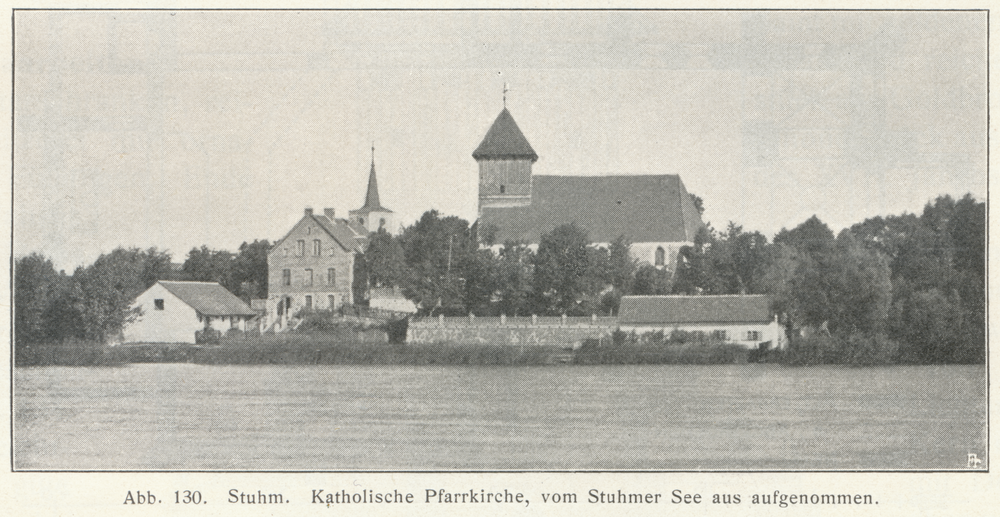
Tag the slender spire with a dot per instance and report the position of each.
(371, 199)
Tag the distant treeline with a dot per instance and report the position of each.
(905, 288)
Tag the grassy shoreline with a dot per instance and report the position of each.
(324, 348)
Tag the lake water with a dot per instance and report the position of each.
(730, 417)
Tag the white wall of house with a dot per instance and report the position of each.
(175, 323)
(736, 333)
(395, 303)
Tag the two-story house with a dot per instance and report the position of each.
(312, 266)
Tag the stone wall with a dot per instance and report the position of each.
(509, 331)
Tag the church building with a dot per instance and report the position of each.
(372, 215)
(654, 211)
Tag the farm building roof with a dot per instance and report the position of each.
(504, 140)
(208, 298)
(669, 310)
(646, 208)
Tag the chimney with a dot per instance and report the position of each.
(328, 212)
(309, 212)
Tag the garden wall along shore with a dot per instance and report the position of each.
(513, 331)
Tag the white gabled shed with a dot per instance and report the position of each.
(171, 312)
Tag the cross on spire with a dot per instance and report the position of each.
(505, 89)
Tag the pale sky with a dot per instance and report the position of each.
(178, 129)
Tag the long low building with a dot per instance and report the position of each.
(740, 319)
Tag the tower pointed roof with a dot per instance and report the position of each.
(372, 203)
(504, 140)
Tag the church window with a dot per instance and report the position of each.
(308, 280)
(158, 304)
(361, 220)
(309, 230)
(331, 276)
(381, 222)
(503, 189)
(309, 302)
(661, 256)
(316, 247)
(331, 301)
(285, 250)
(301, 250)
(286, 277)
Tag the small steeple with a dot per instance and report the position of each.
(371, 198)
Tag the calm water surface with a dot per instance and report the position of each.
(731, 417)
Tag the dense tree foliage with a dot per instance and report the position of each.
(437, 252)
(899, 288)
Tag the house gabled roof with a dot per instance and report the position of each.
(647, 208)
(339, 229)
(504, 140)
(208, 298)
(676, 310)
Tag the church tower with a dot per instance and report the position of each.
(373, 215)
(505, 159)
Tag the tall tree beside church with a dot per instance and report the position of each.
(437, 251)
(384, 261)
(515, 279)
(561, 268)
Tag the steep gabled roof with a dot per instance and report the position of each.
(671, 310)
(504, 140)
(208, 298)
(339, 229)
(650, 208)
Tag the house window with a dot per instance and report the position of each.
(331, 300)
(286, 277)
(719, 334)
(309, 302)
(661, 256)
(316, 247)
(308, 280)
(381, 222)
(331, 276)
(285, 250)
(753, 335)
(234, 322)
(301, 249)
(158, 304)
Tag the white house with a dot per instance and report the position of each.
(171, 312)
(739, 319)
